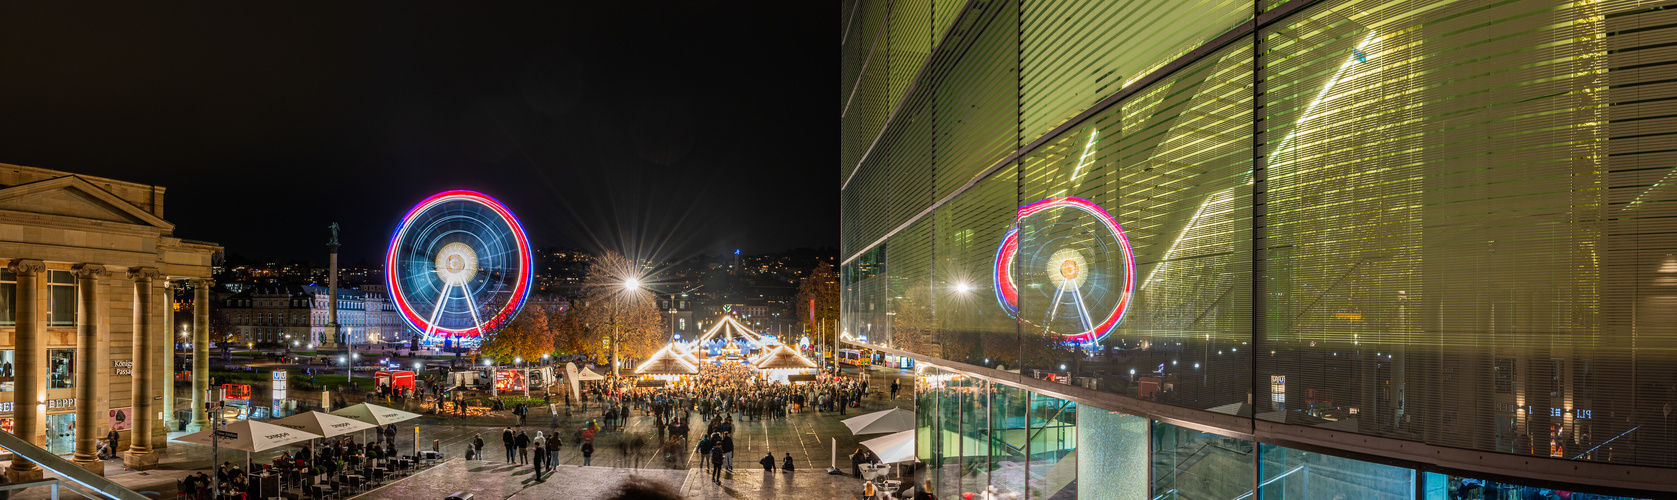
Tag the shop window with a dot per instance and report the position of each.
(61, 298)
(63, 368)
(7, 377)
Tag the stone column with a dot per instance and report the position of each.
(200, 349)
(331, 337)
(91, 358)
(29, 366)
(169, 337)
(139, 455)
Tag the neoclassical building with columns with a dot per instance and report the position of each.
(90, 265)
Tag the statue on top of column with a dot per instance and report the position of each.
(334, 228)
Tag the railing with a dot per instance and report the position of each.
(97, 486)
(53, 482)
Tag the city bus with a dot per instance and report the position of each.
(853, 357)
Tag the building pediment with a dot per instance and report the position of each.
(77, 198)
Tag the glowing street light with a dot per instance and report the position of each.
(963, 287)
(631, 284)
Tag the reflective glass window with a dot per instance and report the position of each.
(1288, 473)
(61, 368)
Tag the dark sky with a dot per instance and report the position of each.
(665, 128)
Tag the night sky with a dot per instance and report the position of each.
(664, 128)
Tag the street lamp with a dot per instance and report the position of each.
(631, 284)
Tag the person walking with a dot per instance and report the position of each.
(523, 442)
(477, 446)
(554, 443)
(716, 464)
(768, 463)
(705, 445)
(728, 450)
(541, 458)
(509, 442)
(587, 453)
(856, 461)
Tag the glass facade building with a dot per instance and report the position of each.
(1224, 249)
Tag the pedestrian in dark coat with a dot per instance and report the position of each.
(767, 462)
(509, 442)
(523, 442)
(716, 464)
(541, 460)
(786, 465)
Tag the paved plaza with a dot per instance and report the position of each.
(808, 435)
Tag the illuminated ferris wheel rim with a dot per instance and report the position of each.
(521, 285)
(1007, 289)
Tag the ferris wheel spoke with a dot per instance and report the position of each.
(1082, 310)
(437, 312)
(1053, 312)
(473, 307)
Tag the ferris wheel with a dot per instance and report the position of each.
(1077, 263)
(459, 266)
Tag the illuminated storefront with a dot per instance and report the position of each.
(1415, 243)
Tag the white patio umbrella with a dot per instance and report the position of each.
(375, 414)
(893, 448)
(324, 424)
(892, 420)
(251, 436)
(378, 416)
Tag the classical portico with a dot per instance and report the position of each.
(85, 315)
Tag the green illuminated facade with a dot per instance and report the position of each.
(1386, 249)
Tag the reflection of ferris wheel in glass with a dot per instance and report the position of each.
(1079, 262)
(458, 266)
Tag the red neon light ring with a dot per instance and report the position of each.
(521, 287)
(1007, 290)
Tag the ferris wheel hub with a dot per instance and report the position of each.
(1064, 265)
(456, 263)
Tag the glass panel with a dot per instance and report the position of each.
(1289, 473)
(1053, 441)
(1112, 455)
(1448, 487)
(973, 326)
(864, 296)
(61, 368)
(1449, 197)
(61, 433)
(975, 434)
(8, 298)
(910, 291)
(61, 305)
(1133, 270)
(1008, 438)
(1191, 464)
